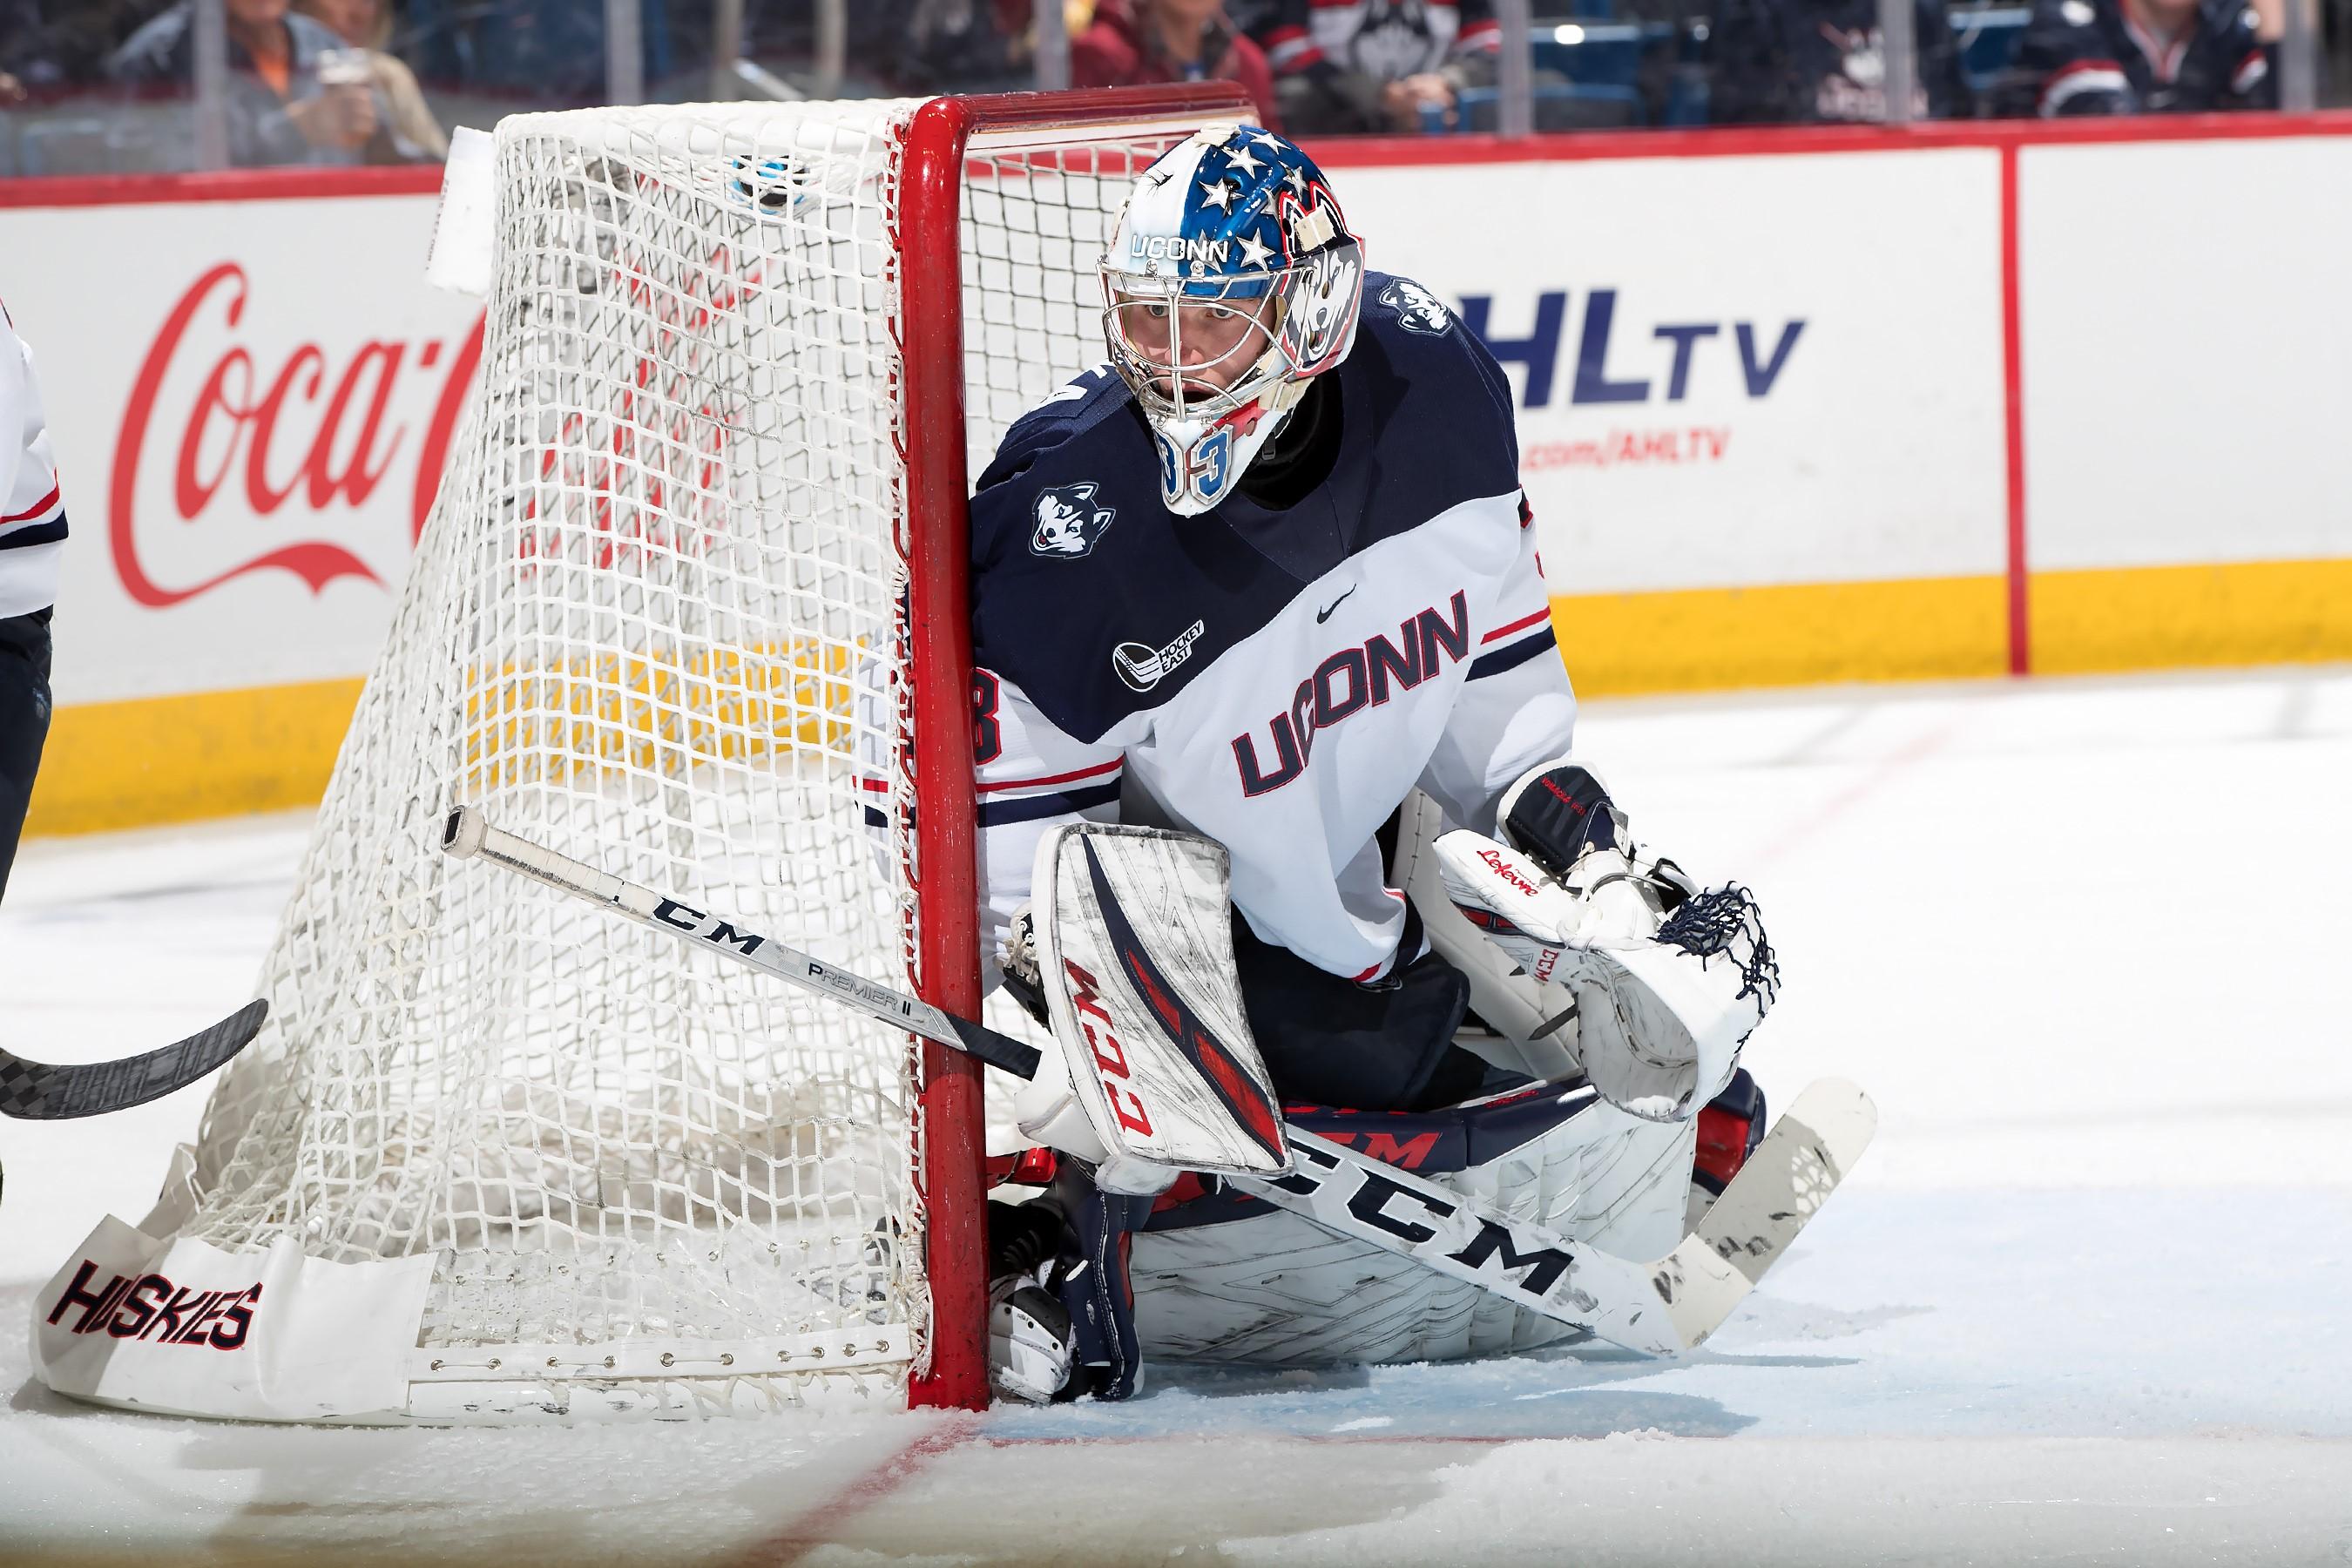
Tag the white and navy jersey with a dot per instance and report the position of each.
(32, 510)
(1274, 680)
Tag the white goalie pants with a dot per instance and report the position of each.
(1275, 1290)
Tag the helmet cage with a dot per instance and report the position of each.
(1144, 324)
(1234, 222)
(1305, 312)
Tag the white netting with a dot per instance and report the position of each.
(660, 576)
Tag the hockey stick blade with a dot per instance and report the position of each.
(467, 835)
(1671, 1304)
(1783, 1184)
(37, 1092)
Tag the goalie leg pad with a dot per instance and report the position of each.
(1100, 1296)
(1135, 956)
(1220, 1279)
(1729, 1128)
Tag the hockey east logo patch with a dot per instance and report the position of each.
(1068, 522)
(1142, 667)
(1417, 310)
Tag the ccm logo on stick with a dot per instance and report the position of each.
(696, 924)
(1368, 1196)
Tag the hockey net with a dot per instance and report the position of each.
(670, 616)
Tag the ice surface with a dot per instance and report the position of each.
(2085, 1301)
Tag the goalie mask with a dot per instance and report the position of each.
(1231, 281)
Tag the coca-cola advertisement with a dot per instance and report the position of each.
(251, 420)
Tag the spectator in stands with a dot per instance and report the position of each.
(290, 98)
(1352, 66)
(2144, 57)
(1784, 63)
(406, 130)
(1132, 42)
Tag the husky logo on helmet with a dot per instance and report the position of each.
(1231, 281)
(1417, 310)
(1068, 522)
(1309, 217)
(1318, 327)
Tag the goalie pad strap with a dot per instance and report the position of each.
(1556, 812)
(1062, 1308)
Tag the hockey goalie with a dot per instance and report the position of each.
(1267, 699)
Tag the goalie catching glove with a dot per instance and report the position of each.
(1668, 980)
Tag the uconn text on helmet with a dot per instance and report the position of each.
(1232, 281)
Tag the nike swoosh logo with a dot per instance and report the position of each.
(1325, 612)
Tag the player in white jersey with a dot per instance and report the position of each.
(32, 538)
(1268, 578)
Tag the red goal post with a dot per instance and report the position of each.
(938, 491)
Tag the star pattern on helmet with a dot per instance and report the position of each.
(1255, 253)
(1219, 193)
(1267, 140)
(1296, 180)
(1241, 158)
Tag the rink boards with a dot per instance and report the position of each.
(1794, 406)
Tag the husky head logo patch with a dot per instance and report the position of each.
(1068, 522)
(1417, 310)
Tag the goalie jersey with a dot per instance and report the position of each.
(1276, 680)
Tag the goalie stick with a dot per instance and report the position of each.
(39, 1092)
(467, 835)
(1662, 1306)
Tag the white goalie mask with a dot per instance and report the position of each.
(1232, 281)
